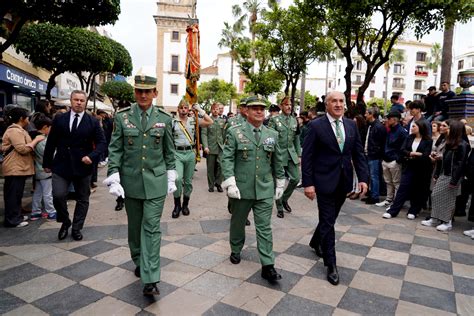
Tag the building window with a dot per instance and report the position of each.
(420, 68)
(384, 94)
(175, 36)
(421, 56)
(338, 82)
(372, 80)
(384, 80)
(398, 83)
(418, 96)
(174, 62)
(397, 69)
(418, 84)
(461, 64)
(358, 79)
(358, 65)
(339, 68)
(174, 88)
(372, 93)
(330, 84)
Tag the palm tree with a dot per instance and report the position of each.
(230, 37)
(447, 55)
(397, 55)
(435, 60)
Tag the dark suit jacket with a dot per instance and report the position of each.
(323, 163)
(422, 164)
(64, 150)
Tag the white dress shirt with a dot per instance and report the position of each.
(73, 116)
(332, 121)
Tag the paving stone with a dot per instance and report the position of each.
(430, 242)
(59, 260)
(407, 308)
(204, 259)
(388, 255)
(383, 268)
(294, 305)
(463, 285)
(431, 252)
(288, 280)
(95, 248)
(115, 256)
(428, 296)
(107, 306)
(392, 245)
(110, 281)
(178, 273)
(28, 309)
(377, 284)
(354, 249)
(465, 304)
(430, 264)
(133, 294)
(242, 271)
(20, 274)
(181, 302)
(326, 293)
(83, 270)
(7, 262)
(350, 220)
(320, 271)
(293, 263)
(250, 254)
(213, 285)
(224, 309)
(198, 241)
(300, 250)
(68, 300)
(9, 302)
(215, 226)
(366, 303)
(463, 258)
(364, 231)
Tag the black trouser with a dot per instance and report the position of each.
(467, 189)
(329, 206)
(82, 192)
(414, 186)
(12, 194)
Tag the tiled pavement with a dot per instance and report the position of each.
(386, 266)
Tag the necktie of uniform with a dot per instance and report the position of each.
(256, 132)
(144, 120)
(74, 123)
(339, 135)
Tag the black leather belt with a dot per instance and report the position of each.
(184, 147)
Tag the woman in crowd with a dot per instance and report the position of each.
(435, 132)
(18, 164)
(448, 174)
(416, 171)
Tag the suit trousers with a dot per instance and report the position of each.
(214, 172)
(329, 206)
(293, 172)
(13, 193)
(82, 191)
(185, 163)
(262, 213)
(144, 235)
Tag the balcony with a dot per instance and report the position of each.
(399, 73)
(398, 85)
(357, 82)
(421, 73)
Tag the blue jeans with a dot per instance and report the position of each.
(374, 171)
(43, 192)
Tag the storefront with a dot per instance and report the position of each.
(20, 88)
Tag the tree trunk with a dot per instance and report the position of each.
(347, 78)
(302, 92)
(231, 70)
(52, 83)
(385, 105)
(13, 36)
(447, 56)
(327, 77)
(294, 84)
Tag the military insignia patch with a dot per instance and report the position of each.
(269, 141)
(159, 125)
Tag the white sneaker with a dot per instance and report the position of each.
(22, 224)
(469, 233)
(384, 203)
(387, 215)
(25, 218)
(388, 207)
(432, 222)
(444, 227)
(411, 216)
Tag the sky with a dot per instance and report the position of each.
(136, 30)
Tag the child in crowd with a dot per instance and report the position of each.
(43, 188)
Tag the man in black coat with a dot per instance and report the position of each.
(330, 148)
(75, 142)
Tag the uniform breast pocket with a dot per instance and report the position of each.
(157, 135)
(269, 150)
(244, 152)
(131, 137)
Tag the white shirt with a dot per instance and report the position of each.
(416, 143)
(332, 121)
(73, 116)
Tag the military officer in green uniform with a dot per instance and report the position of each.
(251, 155)
(183, 129)
(213, 143)
(287, 127)
(239, 118)
(142, 167)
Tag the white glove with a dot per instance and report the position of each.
(231, 187)
(116, 190)
(113, 178)
(172, 175)
(280, 187)
(197, 108)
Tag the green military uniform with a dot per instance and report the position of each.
(252, 163)
(142, 157)
(287, 128)
(213, 138)
(233, 121)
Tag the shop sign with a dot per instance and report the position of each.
(22, 79)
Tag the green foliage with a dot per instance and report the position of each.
(118, 91)
(215, 91)
(122, 60)
(309, 100)
(68, 13)
(379, 102)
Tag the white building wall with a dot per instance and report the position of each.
(173, 48)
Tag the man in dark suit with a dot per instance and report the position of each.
(331, 147)
(75, 141)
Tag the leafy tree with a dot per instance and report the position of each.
(122, 60)
(295, 39)
(435, 60)
(350, 24)
(215, 91)
(230, 37)
(18, 13)
(378, 102)
(118, 91)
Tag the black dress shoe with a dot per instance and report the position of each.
(150, 289)
(280, 214)
(235, 258)
(286, 206)
(333, 275)
(211, 190)
(64, 231)
(247, 223)
(219, 188)
(76, 235)
(137, 272)
(270, 274)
